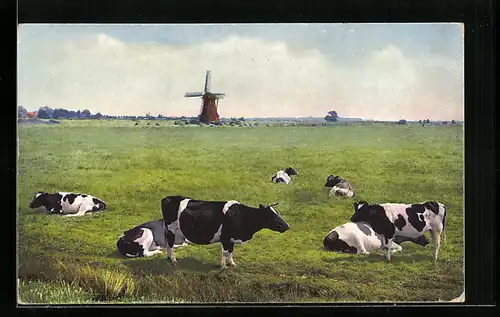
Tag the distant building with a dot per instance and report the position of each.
(31, 114)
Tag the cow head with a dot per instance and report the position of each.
(332, 181)
(272, 220)
(291, 171)
(39, 200)
(362, 212)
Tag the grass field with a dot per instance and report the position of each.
(74, 260)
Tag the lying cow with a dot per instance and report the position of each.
(145, 240)
(406, 220)
(360, 238)
(68, 204)
(339, 186)
(284, 176)
(208, 222)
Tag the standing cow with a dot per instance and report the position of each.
(406, 220)
(207, 222)
(359, 238)
(284, 176)
(68, 204)
(145, 240)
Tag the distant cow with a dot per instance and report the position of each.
(68, 204)
(360, 238)
(406, 220)
(339, 186)
(208, 222)
(145, 240)
(284, 176)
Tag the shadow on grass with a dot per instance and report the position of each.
(308, 196)
(116, 255)
(374, 258)
(160, 265)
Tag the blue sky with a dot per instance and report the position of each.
(373, 71)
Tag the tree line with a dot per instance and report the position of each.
(59, 113)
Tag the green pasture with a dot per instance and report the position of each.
(74, 260)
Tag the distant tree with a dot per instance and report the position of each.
(60, 113)
(332, 116)
(402, 121)
(97, 116)
(445, 122)
(71, 114)
(78, 114)
(453, 122)
(85, 114)
(427, 121)
(45, 112)
(242, 119)
(420, 121)
(22, 112)
(160, 116)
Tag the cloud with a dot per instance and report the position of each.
(260, 78)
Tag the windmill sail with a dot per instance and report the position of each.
(193, 94)
(208, 81)
(219, 95)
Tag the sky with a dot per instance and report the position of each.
(370, 71)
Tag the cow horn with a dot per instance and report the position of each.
(273, 204)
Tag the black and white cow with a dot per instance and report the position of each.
(68, 204)
(284, 176)
(207, 222)
(145, 240)
(406, 220)
(339, 186)
(359, 238)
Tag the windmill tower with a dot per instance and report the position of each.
(210, 104)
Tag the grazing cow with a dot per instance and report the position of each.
(406, 220)
(68, 204)
(339, 186)
(207, 222)
(284, 176)
(145, 240)
(360, 238)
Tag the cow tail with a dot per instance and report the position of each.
(444, 225)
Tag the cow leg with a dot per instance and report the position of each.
(154, 247)
(231, 260)
(151, 253)
(81, 211)
(362, 250)
(360, 246)
(395, 248)
(436, 240)
(170, 247)
(227, 251)
(386, 246)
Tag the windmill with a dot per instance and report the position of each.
(210, 104)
